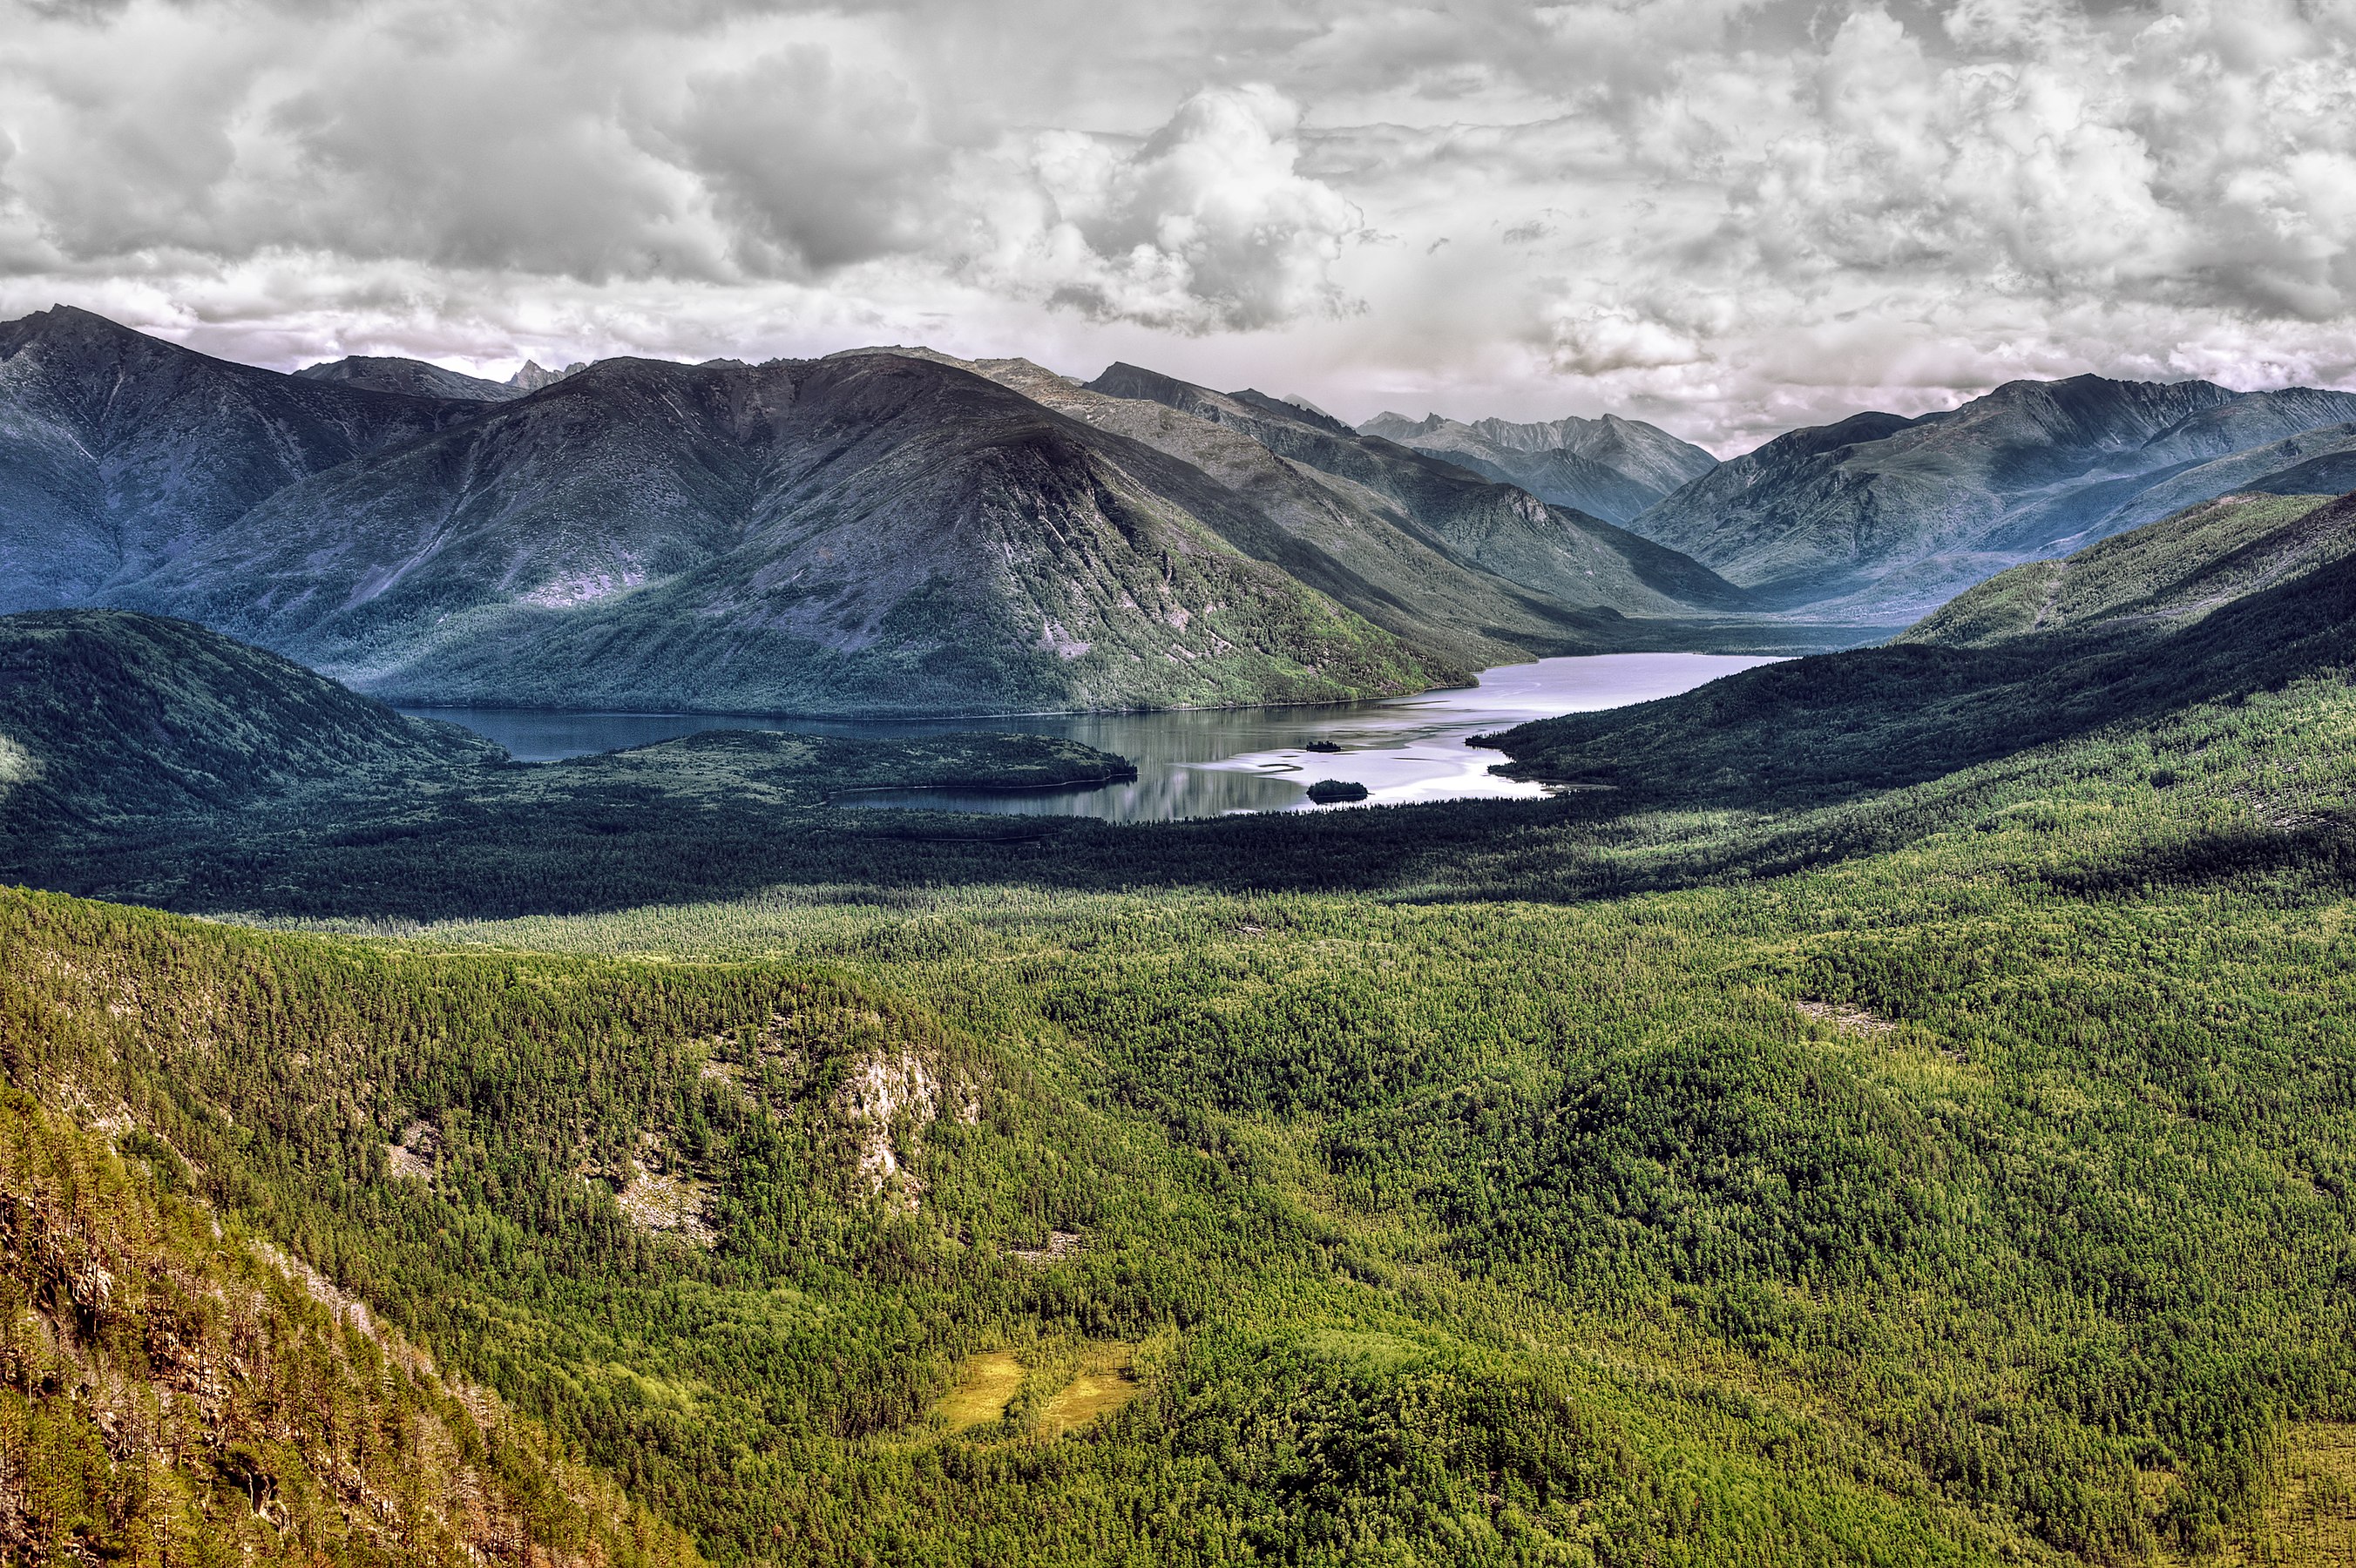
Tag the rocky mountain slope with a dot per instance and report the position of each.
(1880, 514)
(180, 1391)
(1500, 528)
(879, 533)
(119, 451)
(1361, 545)
(1611, 468)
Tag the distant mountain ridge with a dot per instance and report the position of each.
(2319, 462)
(532, 375)
(2235, 596)
(1557, 551)
(1884, 515)
(413, 377)
(1612, 468)
(895, 530)
(418, 379)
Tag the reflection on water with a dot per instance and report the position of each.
(1162, 794)
(1203, 763)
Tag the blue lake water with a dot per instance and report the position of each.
(1203, 763)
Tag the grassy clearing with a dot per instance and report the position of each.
(1106, 1382)
(984, 1385)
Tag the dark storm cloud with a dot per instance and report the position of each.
(1737, 212)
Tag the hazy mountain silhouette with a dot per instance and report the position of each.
(1610, 467)
(412, 376)
(1880, 514)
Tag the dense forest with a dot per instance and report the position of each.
(1956, 1166)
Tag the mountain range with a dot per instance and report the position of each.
(883, 530)
(1881, 515)
(1615, 468)
(897, 530)
(1880, 518)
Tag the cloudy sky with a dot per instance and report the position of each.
(1728, 216)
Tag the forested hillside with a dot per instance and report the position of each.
(172, 1391)
(1940, 1205)
(109, 718)
(153, 758)
(2140, 586)
(1904, 1113)
(1953, 1173)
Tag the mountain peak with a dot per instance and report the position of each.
(534, 375)
(1291, 409)
(72, 317)
(71, 327)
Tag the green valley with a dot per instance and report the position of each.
(1939, 1148)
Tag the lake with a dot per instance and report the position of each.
(1203, 761)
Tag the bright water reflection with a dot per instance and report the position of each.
(1209, 761)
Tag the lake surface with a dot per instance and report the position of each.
(1203, 763)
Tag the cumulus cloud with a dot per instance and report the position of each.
(1205, 225)
(1729, 214)
(718, 144)
(1782, 215)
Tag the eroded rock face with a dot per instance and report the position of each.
(1061, 1244)
(417, 1153)
(883, 1093)
(852, 1073)
(660, 1191)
